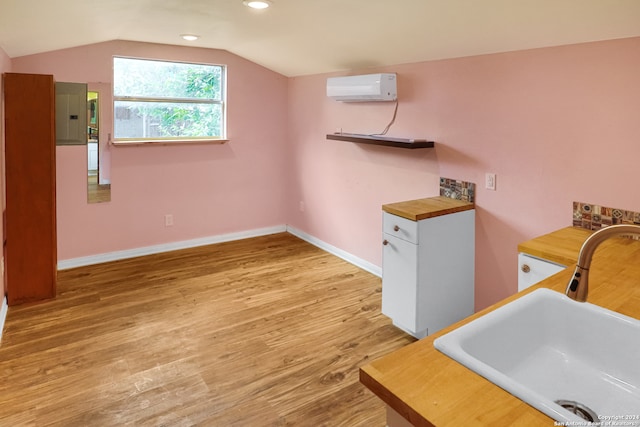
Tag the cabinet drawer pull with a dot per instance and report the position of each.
(385, 242)
(396, 228)
(525, 268)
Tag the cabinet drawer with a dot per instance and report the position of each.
(402, 228)
(532, 270)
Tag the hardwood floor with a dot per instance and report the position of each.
(268, 331)
(97, 193)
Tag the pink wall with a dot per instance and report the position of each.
(556, 125)
(5, 66)
(209, 189)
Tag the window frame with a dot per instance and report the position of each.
(160, 99)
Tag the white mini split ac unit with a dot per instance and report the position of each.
(365, 88)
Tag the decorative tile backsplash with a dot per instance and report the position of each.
(460, 190)
(594, 217)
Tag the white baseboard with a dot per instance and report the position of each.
(185, 244)
(167, 247)
(3, 315)
(358, 262)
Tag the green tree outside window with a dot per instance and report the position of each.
(158, 100)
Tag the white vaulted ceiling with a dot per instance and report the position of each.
(298, 37)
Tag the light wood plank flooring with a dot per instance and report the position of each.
(268, 331)
(97, 193)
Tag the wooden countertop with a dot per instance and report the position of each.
(428, 388)
(561, 247)
(419, 209)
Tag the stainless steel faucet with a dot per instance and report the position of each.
(578, 287)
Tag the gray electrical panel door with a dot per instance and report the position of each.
(71, 113)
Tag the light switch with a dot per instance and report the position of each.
(490, 181)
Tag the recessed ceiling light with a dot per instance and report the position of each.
(189, 37)
(257, 4)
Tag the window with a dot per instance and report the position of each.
(167, 101)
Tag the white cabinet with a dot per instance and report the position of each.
(92, 150)
(532, 270)
(428, 271)
(545, 255)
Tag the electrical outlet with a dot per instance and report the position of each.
(168, 220)
(490, 181)
(301, 206)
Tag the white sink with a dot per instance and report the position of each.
(544, 347)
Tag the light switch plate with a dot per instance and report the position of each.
(490, 181)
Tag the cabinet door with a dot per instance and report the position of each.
(399, 281)
(532, 270)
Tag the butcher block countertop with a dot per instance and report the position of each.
(420, 209)
(428, 388)
(561, 247)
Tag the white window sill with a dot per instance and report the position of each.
(137, 142)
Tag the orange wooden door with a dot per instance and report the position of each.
(30, 233)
